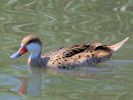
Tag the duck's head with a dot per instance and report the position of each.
(31, 44)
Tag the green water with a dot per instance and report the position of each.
(62, 23)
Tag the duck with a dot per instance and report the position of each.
(65, 57)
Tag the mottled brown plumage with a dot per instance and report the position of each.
(78, 55)
(67, 57)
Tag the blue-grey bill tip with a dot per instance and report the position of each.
(15, 55)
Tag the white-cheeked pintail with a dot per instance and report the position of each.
(66, 57)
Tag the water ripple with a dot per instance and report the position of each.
(17, 28)
(61, 23)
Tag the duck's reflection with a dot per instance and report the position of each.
(30, 85)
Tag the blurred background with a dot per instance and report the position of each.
(62, 23)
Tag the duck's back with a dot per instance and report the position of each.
(77, 55)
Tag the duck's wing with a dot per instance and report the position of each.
(81, 49)
(77, 55)
(77, 49)
(72, 50)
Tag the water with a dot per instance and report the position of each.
(61, 23)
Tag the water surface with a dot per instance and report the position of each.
(62, 23)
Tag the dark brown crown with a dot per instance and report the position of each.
(30, 39)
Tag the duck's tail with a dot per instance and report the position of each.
(116, 46)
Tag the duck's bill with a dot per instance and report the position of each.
(20, 52)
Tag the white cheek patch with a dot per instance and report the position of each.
(34, 49)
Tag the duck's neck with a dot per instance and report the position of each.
(34, 55)
(35, 60)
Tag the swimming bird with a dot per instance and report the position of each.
(65, 57)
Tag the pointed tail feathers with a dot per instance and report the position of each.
(116, 46)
